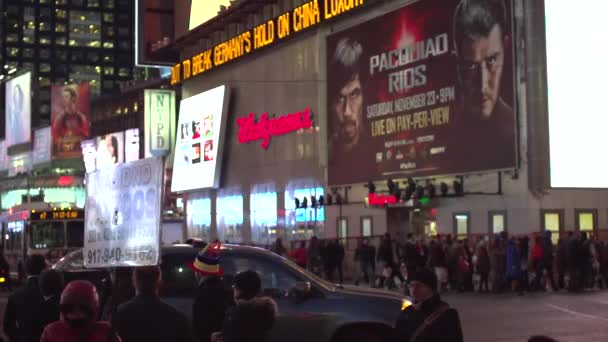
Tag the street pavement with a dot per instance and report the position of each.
(508, 318)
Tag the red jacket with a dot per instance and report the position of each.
(300, 256)
(61, 332)
(537, 253)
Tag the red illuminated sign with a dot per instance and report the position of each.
(266, 127)
(379, 199)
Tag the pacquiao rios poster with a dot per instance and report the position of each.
(70, 122)
(424, 90)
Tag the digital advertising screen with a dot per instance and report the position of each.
(42, 146)
(424, 90)
(18, 110)
(577, 137)
(110, 150)
(131, 145)
(89, 154)
(199, 141)
(203, 10)
(70, 122)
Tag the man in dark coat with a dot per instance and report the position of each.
(146, 317)
(20, 323)
(429, 319)
(51, 286)
(212, 300)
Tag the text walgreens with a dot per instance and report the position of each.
(266, 127)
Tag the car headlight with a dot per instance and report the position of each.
(405, 304)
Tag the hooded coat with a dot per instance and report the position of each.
(250, 320)
(82, 293)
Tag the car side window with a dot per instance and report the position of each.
(178, 278)
(276, 280)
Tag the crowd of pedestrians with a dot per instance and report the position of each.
(489, 264)
(44, 310)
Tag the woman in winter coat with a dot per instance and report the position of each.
(252, 317)
(79, 307)
(513, 273)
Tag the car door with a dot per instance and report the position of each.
(296, 320)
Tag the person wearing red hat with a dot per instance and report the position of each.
(79, 307)
(212, 299)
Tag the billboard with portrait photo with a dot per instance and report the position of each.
(110, 150)
(18, 110)
(70, 123)
(424, 90)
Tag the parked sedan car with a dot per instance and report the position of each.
(310, 308)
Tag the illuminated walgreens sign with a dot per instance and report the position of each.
(288, 24)
(266, 127)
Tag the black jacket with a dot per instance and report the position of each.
(249, 320)
(20, 319)
(49, 311)
(147, 318)
(209, 308)
(445, 329)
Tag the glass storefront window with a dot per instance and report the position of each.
(47, 235)
(304, 222)
(199, 218)
(461, 224)
(586, 221)
(230, 218)
(552, 221)
(263, 216)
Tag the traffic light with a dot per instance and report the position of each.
(371, 187)
(458, 189)
(443, 187)
(430, 188)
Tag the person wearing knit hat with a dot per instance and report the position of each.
(212, 299)
(430, 318)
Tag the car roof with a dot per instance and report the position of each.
(240, 249)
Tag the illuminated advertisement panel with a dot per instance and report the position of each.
(110, 150)
(70, 110)
(424, 90)
(200, 138)
(18, 110)
(577, 137)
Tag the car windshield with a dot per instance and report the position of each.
(309, 274)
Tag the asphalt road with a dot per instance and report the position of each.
(508, 318)
(563, 316)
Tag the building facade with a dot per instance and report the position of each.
(256, 200)
(67, 41)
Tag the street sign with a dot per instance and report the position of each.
(122, 214)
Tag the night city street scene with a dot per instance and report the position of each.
(303, 171)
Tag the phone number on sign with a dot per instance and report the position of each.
(116, 255)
